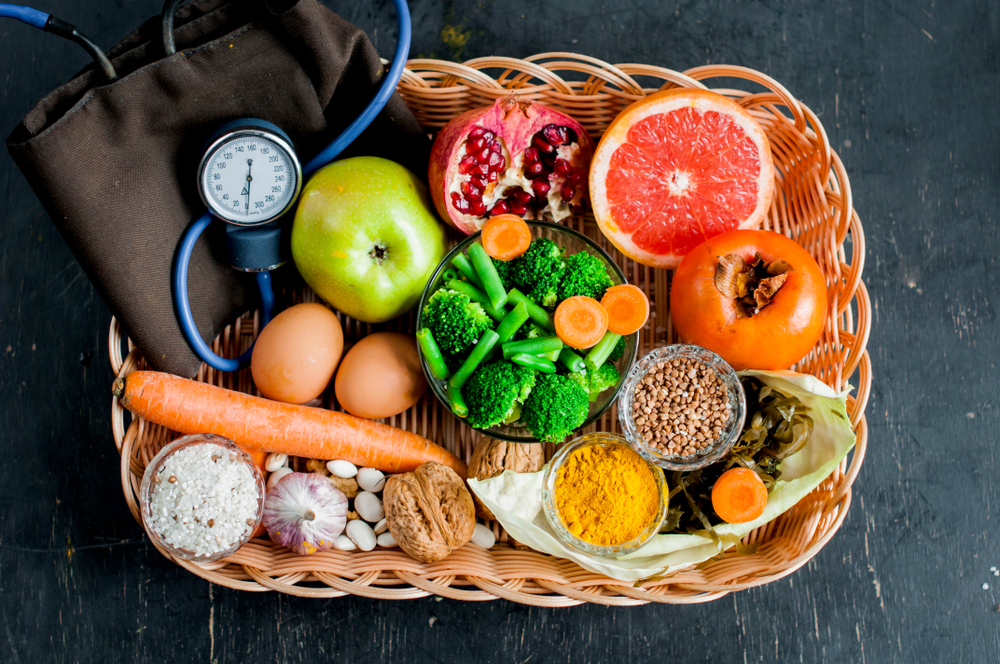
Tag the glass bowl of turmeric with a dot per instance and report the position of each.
(601, 497)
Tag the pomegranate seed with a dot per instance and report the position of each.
(496, 162)
(501, 207)
(483, 155)
(540, 187)
(530, 155)
(543, 146)
(563, 167)
(521, 195)
(467, 164)
(471, 191)
(555, 134)
(493, 176)
(568, 191)
(475, 144)
(533, 169)
(518, 208)
(482, 169)
(488, 136)
(476, 131)
(477, 208)
(577, 177)
(462, 205)
(496, 147)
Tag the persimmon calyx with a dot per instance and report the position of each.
(750, 286)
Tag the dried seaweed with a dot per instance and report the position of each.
(777, 426)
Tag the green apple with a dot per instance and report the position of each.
(366, 237)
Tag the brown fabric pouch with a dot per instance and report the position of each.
(115, 164)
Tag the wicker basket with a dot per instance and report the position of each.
(812, 205)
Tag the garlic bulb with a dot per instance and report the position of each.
(305, 513)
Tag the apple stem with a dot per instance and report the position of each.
(378, 254)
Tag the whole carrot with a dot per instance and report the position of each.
(187, 406)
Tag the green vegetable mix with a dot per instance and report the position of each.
(585, 275)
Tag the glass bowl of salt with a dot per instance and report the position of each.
(201, 498)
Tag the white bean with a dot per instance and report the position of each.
(361, 534)
(341, 468)
(381, 527)
(344, 543)
(371, 479)
(483, 536)
(275, 461)
(386, 540)
(277, 475)
(369, 507)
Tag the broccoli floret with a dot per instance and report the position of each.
(505, 270)
(455, 321)
(596, 382)
(556, 406)
(617, 351)
(530, 331)
(585, 275)
(538, 271)
(494, 391)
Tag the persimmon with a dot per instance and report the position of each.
(757, 298)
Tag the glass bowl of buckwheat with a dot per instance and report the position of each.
(682, 407)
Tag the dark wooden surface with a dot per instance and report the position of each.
(908, 92)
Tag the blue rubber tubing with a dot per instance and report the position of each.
(32, 17)
(182, 303)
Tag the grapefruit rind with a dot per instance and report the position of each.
(662, 103)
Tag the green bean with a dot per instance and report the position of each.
(534, 362)
(484, 267)
(478, 354)
(457, 402)
(599, 353)
(551, 357)
(571, 360)
(510, 324)
(463, 265)
(479, 296)
(432, 354)
(535, 346)
(535, 312)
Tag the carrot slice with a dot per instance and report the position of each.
(580, 321)
(739, 495)
(627, 307)
(505, 237)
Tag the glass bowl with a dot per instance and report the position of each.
(573, 242)
(730, 432)
(552, 512)
(151, 479)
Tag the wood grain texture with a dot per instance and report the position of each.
(907, 92)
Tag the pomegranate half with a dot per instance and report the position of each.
(516, 157)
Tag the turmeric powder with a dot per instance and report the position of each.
(606, 494)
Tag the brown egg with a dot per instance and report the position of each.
(296, 353)
(380, 376)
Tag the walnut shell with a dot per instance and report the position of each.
(429, 511)
(491, 457)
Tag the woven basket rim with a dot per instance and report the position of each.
(816, 208)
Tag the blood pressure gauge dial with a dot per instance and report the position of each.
(249, 174)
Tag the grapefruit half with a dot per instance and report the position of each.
(677, 168)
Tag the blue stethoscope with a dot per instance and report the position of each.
(249, 176)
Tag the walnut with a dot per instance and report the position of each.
(317, 466)
(429, 511)
(348, 485)
(491, 457)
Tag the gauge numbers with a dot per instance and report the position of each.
(249, 177)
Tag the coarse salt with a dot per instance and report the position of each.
(212, 505)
